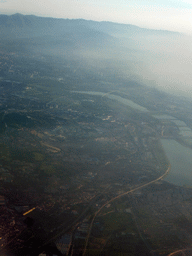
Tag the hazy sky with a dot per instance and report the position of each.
(161, 14)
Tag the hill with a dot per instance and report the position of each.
(25, 26)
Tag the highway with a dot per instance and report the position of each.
(183, 252)
(114, 198)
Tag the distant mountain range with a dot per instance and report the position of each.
(27, 26)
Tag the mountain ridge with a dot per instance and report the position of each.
(19, 25)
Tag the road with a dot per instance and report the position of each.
(140, 233)
(114, 198)
(183, 252)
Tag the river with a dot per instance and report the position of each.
(124, 101)
(180, 158)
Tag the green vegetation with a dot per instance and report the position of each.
(117, 221)
(38, 156)
(160, 156)
(63, 152)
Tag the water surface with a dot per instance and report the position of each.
(180, 158)
(124, 101)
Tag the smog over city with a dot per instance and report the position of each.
(96, 128)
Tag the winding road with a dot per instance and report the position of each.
(114, 198)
